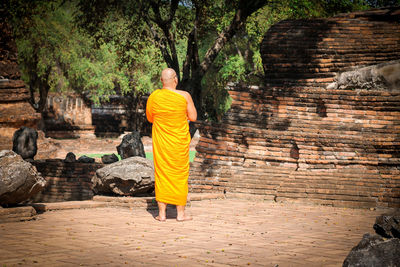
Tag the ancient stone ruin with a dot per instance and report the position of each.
(15, 110)
(324, 128)
(67, 116)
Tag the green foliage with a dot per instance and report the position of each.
(314, 8)
(234, 69)
(146, 69)
(326, 8)
(239, 62)
(215, 95)
(53, 50)
(383, 3)
(138, 57)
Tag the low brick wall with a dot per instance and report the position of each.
(65, 181)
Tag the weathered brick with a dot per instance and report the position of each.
(346, 139)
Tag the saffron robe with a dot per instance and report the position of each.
(167, 110)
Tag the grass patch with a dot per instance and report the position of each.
(149, 155)
(192, 155)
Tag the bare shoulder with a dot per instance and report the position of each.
(185, 94)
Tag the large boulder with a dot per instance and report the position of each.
(24, 142)
(131, 146)
(128, 177)
(374, 251)
(19, 180)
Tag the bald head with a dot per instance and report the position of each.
(168, 78)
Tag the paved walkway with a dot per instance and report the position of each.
(224, 232)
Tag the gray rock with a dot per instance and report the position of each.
(374, 251)
(388, 225)
(70, 157)
(25, 142)
(19, 180)
(85, 159)
(131, 146)
(128, 177)
(108, 159)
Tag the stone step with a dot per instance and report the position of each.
(22, 213)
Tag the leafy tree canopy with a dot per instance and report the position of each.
(56, 55)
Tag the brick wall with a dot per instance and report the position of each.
(294, 139)
(65, 181)
(67, 116)
(15, 110)
(312, 52)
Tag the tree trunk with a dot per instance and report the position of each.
(193, 86)
(43, 85)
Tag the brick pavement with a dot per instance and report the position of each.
(224, 232)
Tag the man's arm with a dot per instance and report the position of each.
(191, 109)
(149, 114)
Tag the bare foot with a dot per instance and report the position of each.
(158, 218)
(185, 218)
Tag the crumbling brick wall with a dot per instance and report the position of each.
(67, 116)
(65, 181)
(15, 110)
(304, 136)
(312, 52)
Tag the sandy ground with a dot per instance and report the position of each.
(223, 232)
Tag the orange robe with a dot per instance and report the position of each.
(166, 109)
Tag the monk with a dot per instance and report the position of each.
(169, 110)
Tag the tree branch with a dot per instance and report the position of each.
(172, 11)
(192, 61)
(161, 42)
(165, 26)
(156, 8)
(245, 9)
